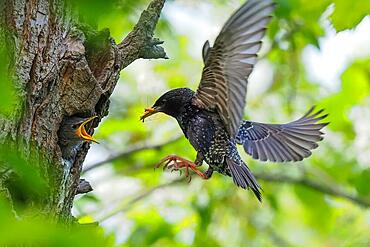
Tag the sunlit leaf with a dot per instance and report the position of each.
(347, 14)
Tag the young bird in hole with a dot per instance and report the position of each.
(211, 117)
(73, 133)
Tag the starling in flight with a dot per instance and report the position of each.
(211, 117)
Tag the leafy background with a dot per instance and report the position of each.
(315, 53)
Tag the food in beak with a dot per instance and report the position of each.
(148, 112)
(82, 133)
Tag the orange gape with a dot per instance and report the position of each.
(82, 133)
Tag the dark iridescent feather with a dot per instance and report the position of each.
(282, 142)
(211, 118)
(240, 172)
(230, 61)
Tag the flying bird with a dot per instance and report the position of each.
(211, 117)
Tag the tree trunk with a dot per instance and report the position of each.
(63, 71)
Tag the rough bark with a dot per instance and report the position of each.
(64, 70)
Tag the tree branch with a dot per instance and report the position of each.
(333, 190)
(129, 204)
(277, 178)
(140, 42)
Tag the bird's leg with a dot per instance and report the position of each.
(199, 159)
(175, 163)
(208, 173)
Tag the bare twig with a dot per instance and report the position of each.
(275, 178)
(129, 204)
(333, 190)
(130, 151)
(83, 187)
(140, 42)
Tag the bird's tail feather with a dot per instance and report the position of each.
(243, 177)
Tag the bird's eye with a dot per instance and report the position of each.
(75, 126)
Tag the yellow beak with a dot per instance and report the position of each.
(82, 133)
(148, 112)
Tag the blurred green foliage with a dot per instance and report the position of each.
(23, 191)
(348, 14)
(137, 206)
(40, 232)
(355, 89)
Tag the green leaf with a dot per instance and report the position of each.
(355, 88)
(347, 14)
(40, 232)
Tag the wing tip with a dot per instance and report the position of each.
(302, 136)
(311, 114)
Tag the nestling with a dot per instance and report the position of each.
(211, 117)
(73, 133)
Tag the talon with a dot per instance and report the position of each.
(166, 165)
(82, 133)
(187, 172)
(176, 163)
(164, 161)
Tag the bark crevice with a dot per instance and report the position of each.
(65, 70)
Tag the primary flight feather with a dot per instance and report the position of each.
(211, 117)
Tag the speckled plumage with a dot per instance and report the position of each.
(211, 117)
(208, 135)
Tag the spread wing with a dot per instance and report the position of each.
(282, 142)
(230, 61)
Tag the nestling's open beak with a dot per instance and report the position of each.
(148, 112)
(82, 133)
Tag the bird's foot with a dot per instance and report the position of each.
(175, 163)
